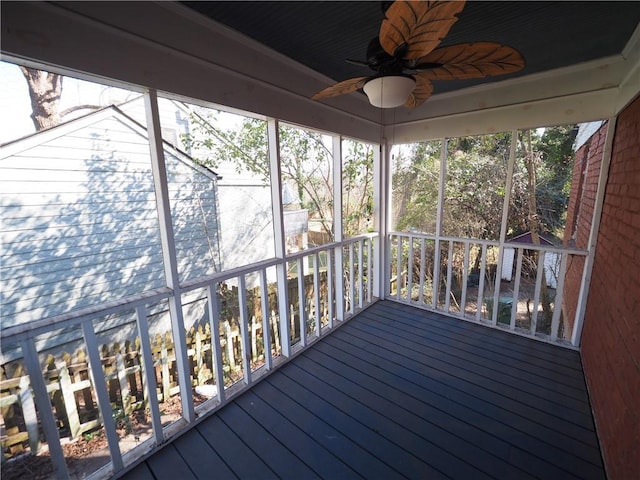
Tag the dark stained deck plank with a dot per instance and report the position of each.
(315, 456)
(546, 368)
(233, 451)
(469, 368)
(431, 368)
(400, 392)
(360, 460)
(201, 457)
(497, 367)
(168, 464)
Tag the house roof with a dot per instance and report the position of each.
(527, 238)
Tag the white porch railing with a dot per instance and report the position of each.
(462, 277)
(132, 360)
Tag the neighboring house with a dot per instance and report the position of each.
(79, 225)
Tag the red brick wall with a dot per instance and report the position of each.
(611, 336)
(582, 200)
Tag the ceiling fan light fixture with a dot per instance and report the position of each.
(389, 91)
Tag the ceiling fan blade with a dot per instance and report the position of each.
(470, 60)
(341, 88)
(417, 27)
(421, 92)
(360, 63)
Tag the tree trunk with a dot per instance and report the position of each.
(533, 222)
(44, 90)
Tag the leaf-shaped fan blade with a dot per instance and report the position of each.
(470, 60)
(420, 93)
(418, 25)
(341, 88)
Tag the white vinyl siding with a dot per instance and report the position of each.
(79, 224)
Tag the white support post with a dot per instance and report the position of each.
(503, 225)
(603, 177)
(439, 213)
(43, 402)
(278, 233)
(381, 216)
(96, 373)
(213, 304)
(338, 233)
(170, 262)
(148, 374)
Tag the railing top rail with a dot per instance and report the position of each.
(526, 246)
(236, 272)
(37, 327)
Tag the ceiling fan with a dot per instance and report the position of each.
(406, 60)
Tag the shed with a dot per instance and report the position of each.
(551, 259)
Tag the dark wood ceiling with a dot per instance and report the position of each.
(322, 35)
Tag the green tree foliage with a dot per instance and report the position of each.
(306, 164)
(416, 170)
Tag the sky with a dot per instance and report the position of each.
(15, 105)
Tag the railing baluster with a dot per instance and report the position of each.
(410, 269)
(301, 303)
(339, 278)
(244, 329)
(331, 297)
(483, 272)
(496, 288)
(398, 265)
(43, 402)
(97, 377)
(360, 274)
(266, 324)
(536, 295)
(352, 278)
(148, 377)
(516, 291)
(316, 291)
(465, 276)
(436, 273)
(422, 271)
(369, 270)
(214, 320)
(447, 302)
(557, 304)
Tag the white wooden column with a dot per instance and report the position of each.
(338, 232)
(381, 216)
(439, 212)
(503, 227)
(170, 262)
(603, 177)
(278, 234)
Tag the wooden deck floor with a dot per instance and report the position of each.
(398, 392)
